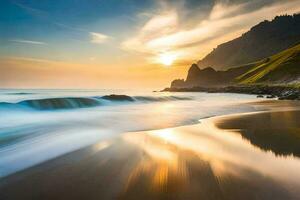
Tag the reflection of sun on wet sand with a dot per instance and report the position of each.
(249, 156)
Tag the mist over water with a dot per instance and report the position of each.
(37, 125)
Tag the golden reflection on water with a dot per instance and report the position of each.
(168, 155)
(161, 161)
(203, 161)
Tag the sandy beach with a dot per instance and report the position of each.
(241, 156)
(150, 100)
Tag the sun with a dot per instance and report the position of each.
(167, 59)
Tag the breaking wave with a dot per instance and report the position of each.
(85, 102)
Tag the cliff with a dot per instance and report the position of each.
(261, 41)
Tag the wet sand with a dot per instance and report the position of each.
(241, 156)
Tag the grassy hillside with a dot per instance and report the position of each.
(263, 40)
(281, 68)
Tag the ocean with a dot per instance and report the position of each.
(39, 125)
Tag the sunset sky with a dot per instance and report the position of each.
(118, 43)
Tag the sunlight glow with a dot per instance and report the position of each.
(167, 59)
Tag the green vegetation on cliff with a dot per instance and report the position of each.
(268, 54)
(263, 40)
(281, 68)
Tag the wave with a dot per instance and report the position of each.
(162, 98)
(53, 103)
(84, 102)
(114, 97)
(60, 103)
(20, 93)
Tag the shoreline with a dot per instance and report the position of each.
(82, 127)
(176, 162)
(280, 92)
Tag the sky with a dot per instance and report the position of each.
(123, 44)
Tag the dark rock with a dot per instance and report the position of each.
(178, 83)
(282, 92)
(290, 96)
(270, 96)
(115, 97)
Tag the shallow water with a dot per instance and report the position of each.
(212, 160)
(37, 125)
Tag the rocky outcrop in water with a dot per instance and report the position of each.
(116, 97)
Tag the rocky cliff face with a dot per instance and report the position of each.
(261, 41)
(272, 48)
(280, 69)
(178, 83)
(208, 77)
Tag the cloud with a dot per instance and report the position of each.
(28, 42)
(224, 22)
(164, 23)
(98, 38)
(222, 10)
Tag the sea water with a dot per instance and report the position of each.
(38, 125)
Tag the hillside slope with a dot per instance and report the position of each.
(279, 69)
(263, 40)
